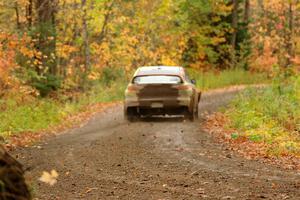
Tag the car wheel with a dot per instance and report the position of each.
(197, 113)
(193, 116)
(131, 116)
(189, 116)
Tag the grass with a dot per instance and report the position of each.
(42, 113)
(270, 115)
(212, 80)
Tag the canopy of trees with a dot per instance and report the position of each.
(46, 45)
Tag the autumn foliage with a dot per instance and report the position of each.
(7, 59)
(52, 45)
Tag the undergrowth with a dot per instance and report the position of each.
(270, 115)
(42, 113)
(212, 80)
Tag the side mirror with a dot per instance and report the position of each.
(193, 81)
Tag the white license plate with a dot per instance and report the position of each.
(157, 105)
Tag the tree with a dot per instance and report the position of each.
(290, 38)
(46, 33)
(85, 41)
(208, 33)
(234, 23)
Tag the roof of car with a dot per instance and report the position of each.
(159, 70)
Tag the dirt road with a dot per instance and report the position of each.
(109, 158)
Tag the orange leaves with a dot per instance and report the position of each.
(65, 50)
(264, 62)
(274, 28)
(8, 45)
(93, 76)
(11, 47)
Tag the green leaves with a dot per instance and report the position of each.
(206, 25)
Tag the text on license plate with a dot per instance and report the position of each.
(157, 105)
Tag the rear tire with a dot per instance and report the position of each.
(192, 117)
(197, 113)
(131, 115)
(189, 116)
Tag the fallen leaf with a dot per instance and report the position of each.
(49, 178)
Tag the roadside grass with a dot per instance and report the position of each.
(213, 80)
(270, 115)
(43, 113)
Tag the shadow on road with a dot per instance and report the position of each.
(163, 119)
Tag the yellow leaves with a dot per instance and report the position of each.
(202, 55)
(49, 178)
(133, 40)
(64, 50)
(218, 40)
(216, 19)
(93, 76)
(27, 52)
(37, 62)
(50, 38)
(166, 60)
(297, 6)
(222, 8)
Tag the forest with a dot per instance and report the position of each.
(64, 66)
(57, 57)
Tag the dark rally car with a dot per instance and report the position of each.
(159, 90)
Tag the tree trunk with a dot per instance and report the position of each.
(85, 36)
(234, 23)
(260, 6)
(260, 16)
(17, 15)
(290, 42)
(107, 16)
(47, 33)
(234, 26)
(247, 12)
(29, 13)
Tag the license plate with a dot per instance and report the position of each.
(157, 105)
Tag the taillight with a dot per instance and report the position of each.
(182, 87)
(184, 90)
(132, 88)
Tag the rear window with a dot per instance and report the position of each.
(157, 80)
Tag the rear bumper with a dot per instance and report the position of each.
(165, 103)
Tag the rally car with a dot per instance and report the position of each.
(161, 90)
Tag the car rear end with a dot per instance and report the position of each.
(158, 94)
